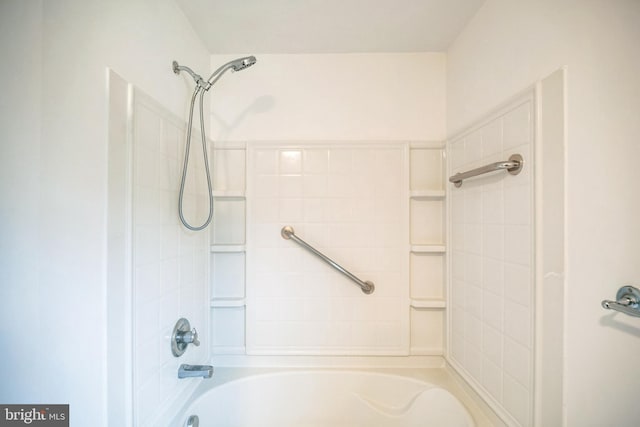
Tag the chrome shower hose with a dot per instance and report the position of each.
(185, 167)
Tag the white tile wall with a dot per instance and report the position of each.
(170, 265)
(491, 224)
(351, 203)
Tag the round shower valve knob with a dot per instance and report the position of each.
(189, 337)
(182, 336)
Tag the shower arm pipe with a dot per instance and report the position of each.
(288, 234)
(200, 82)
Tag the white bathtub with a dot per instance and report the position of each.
(326, 398)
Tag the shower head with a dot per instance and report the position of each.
(201, 87)
(235, 65)
(242, 63)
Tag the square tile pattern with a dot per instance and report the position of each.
(492, 282)
(170, 267)
(346, 202)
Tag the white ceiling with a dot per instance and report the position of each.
(328, 26)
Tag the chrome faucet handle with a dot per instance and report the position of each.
(182, 336)
(189, 337)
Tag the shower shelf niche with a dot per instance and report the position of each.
(427, 194)
(228, 302)
(228, 249)
(228, 194)
(427, 248)
(428, 303)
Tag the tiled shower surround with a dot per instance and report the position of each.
(375, 208)
(345, 202)
(492, 285)
(170, 268)
(378, 209)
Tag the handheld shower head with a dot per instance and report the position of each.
(235, 65)
(242, 63)
(201, 87)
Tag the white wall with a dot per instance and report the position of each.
(507, 47)
(20, 121)
(57, 164)
(389, 96)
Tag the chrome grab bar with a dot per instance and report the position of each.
(288, 234)
(513, 166)
(627, 301)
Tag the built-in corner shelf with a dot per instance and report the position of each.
(228, 248)
(228, 302)
(427, 204)
(428, 303)
(427, 194)
(428, 249)
(228, 194)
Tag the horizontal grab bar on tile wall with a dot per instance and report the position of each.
(513, 166)
(288, 233)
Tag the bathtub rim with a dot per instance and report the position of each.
(443, 377)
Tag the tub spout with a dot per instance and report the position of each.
(190, 371)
